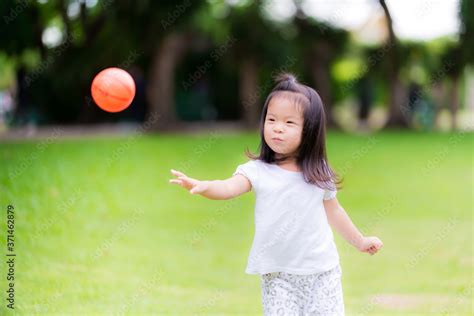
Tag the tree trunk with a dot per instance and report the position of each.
(454, 101)
(397, 116)
(396, 113)
(438, 92)
(161, 85)
(322, 79)
(248, 91)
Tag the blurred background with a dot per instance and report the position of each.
(376, 64)
(98, 229)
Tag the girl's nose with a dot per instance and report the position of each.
(277, 128)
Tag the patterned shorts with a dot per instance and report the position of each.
(293, 295)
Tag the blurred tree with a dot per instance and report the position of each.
(458, 56)
(22, 28)
(110, 33)
(319, 45)
(59, 45)
(396, 118)
(257, 48)
(46, 30)
(257, 43)
(159, 31)
(419, 73)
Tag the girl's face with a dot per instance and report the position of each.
(283, 126)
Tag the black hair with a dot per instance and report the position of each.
(311, 155)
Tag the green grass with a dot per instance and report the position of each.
(99, 229)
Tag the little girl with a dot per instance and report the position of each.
(293, 249)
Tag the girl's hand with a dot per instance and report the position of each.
(370, 245)
(192, 185)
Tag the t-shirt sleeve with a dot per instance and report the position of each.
(250, 171)
(330, 194)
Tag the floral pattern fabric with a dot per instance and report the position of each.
(294, 295)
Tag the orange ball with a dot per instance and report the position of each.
(113, 89)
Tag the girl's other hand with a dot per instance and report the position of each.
(370, 245)
(192, 185)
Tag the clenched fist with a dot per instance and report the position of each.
(370, 245)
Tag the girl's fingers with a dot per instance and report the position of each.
(181, 182)
(186, 179)
(177, 173)
(373, 250)
(196, 189)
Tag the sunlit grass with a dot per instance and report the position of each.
(99, 230)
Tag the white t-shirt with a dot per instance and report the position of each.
(292, 233)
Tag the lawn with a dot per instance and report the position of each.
(99, 230)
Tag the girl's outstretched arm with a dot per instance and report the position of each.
(213, 189)
(342, 223)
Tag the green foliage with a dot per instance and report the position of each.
(467, 33)
(126, 32)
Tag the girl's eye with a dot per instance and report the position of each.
(270, 119)
(290, 122)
